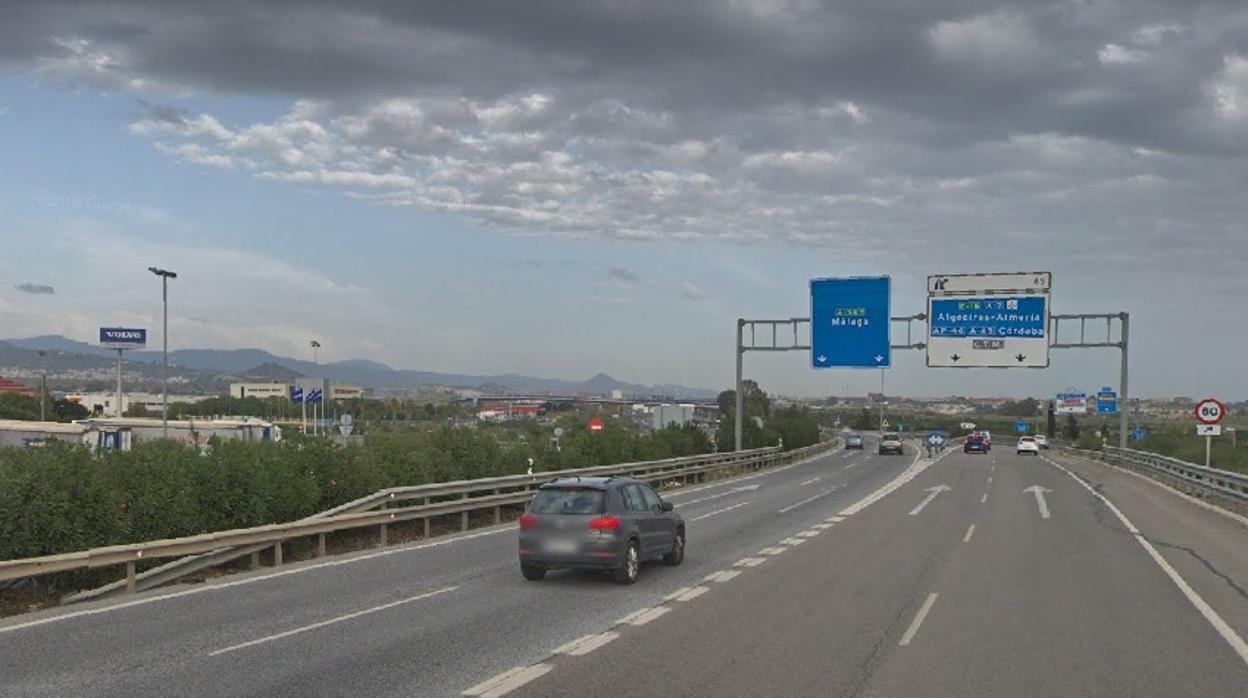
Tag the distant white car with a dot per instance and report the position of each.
(1042, 441)
(1027, 444)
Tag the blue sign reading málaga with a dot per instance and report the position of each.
(849, 322)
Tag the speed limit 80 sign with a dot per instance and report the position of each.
(1210, 411)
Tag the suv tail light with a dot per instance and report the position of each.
(527, 521)
(605, 523)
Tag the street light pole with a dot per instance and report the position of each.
(316, 369)
(164, 275)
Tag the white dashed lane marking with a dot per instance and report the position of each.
(792, 541)
(749, 562)
(585, 644)
(643, 616)
(772, 551)
(722, 576)
(918, 619)
(809, 534)
(507, 681)
(718, 511)
(808, 500)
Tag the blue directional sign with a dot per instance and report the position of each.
(935, 438)
(1139, 434)
(1107, 401)
(296, 394)
(123, 337)
(849, 320)
(1021, 427)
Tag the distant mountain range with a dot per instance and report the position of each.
(223, 364)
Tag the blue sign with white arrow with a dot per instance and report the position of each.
(849, 322)
(1107, 401)
(1139, 434)
(1021, 427)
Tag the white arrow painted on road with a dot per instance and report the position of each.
(1040, 503)
(933, 493)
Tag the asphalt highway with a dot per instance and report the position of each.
(847, 574)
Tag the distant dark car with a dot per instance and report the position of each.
(611, 524)
(975, 444)
(890, 442)
(853, 441)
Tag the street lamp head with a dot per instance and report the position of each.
(163, 272)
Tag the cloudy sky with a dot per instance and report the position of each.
(563, 188)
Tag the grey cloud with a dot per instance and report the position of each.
(35, 289)
(693, 293)
(621, 275)
(1062, 131)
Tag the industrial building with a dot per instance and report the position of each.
(120, 434)
(668, 415)
(260, 390)
(105, 403)
(8, 386)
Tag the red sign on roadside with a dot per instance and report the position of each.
(596, 425)
(1210, 411)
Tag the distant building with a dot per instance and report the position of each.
(504, 412)
(8, 386)
(120, 434)
(668, 415)
(260, 390)
(345, 392)
(617, 394)
(106, 403)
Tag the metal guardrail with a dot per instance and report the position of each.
(1223, 482)
(437, 499)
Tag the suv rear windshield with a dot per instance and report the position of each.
(890, 437)
(567, 500)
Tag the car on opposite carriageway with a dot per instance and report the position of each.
(612, 524)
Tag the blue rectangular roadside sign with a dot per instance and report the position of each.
(123, 337)
(849, 323)
(1107, 401)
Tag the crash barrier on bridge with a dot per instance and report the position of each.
(1224, 483)
(380, 509)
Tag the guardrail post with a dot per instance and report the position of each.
(463, 516)
(498, 510)
(277, 554)
(320, 545)
(383, 535)
(130, 583)
(255, 560)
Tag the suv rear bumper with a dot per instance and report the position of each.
(605, 553)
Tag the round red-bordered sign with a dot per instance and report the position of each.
(1210, 411)
(596, 425)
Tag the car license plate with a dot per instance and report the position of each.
(561, 545)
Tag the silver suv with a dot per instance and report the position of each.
(612, 524)
(890, 442)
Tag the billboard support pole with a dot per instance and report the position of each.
(119, 382)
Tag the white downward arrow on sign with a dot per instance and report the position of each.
(879, 358)
(822, 358)
(1042, 505)
(933, 493)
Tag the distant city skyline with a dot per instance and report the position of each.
(559, 192)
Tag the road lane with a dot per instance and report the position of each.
(1027, 606)
(492, 621)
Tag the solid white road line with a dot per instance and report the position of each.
(918, 620)
(507, 681)
(331, 621)
(969, 532)
(718, 511)
(816, 478)
(644, 616)
(808, 500)
(585, 644)
(1226, 631)
(909, 474)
